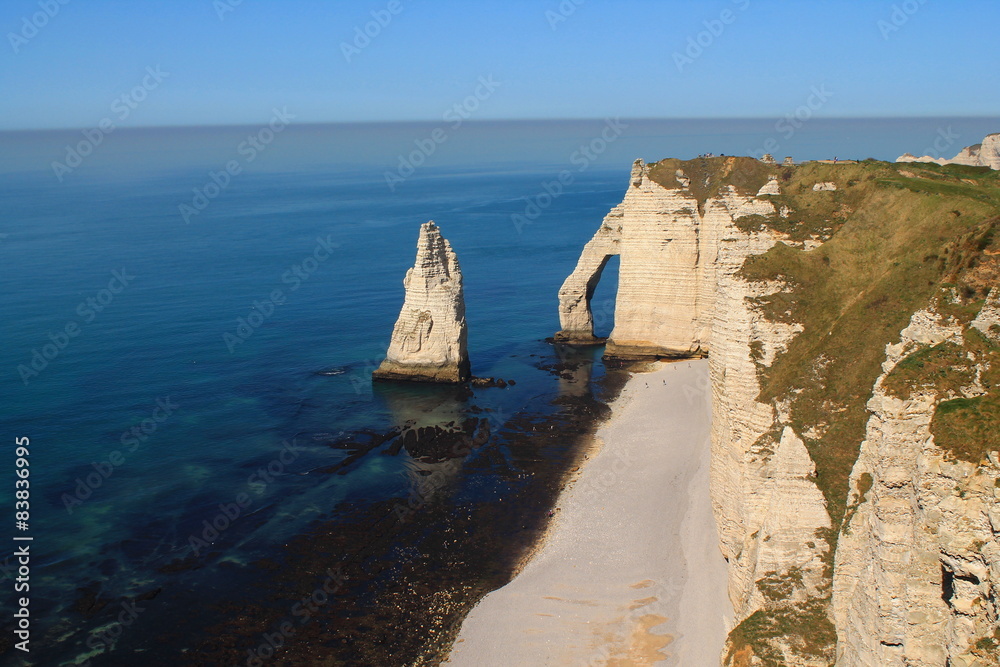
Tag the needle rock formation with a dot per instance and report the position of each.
(429, 341)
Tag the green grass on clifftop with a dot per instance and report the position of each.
(708, 175)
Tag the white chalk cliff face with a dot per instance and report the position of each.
(665, 286)
(767, 505)
(916, 571)
(917, 574)
(680, 295)
(986, 154)
(429, 341)
(989, 151)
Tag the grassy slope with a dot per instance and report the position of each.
(895, 240)
(896, 234)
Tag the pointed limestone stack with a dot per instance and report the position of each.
(429, 341)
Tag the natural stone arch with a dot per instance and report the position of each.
(669, 242)
(575, 316)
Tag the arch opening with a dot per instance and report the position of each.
(602, 296)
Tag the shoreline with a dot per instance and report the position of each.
(629, 571)
(406, 579)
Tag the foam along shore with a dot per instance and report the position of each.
(630, 572)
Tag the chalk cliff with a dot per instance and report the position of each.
(986, 154)
(429, 341)
(917, 574)
(666, 277)
(850, 534)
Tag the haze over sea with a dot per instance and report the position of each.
(160, 349)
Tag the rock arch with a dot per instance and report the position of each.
(575, 316)
(668, 241)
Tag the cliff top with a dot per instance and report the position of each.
(709, 174)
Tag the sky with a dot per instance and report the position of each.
(70, 63)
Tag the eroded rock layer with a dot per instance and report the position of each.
(917, 574)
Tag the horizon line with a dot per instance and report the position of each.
(485, 121)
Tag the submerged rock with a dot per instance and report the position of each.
(429, 341)
(491, 382)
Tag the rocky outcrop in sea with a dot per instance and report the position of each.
(430, 340)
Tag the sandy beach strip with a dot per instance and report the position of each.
(631, 572)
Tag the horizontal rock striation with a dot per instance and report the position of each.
(430, 340)
(665, 287)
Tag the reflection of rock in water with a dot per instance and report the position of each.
(435, 454)
(419, 405)
(436, 431)
(433, 444)
(574, 370)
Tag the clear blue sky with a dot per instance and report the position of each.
(608, 58)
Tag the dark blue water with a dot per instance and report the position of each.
(168, 372)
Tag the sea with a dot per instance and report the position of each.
(190, 321)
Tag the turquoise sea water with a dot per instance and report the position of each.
(168, 371)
